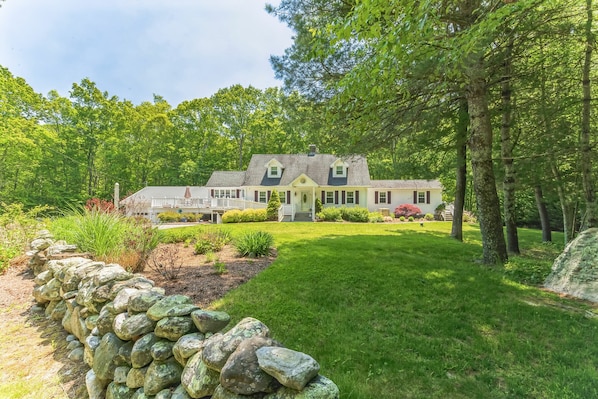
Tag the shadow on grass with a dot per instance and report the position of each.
(410, 314)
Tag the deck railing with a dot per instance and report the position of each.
(206, 203)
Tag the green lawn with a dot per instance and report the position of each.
(404, 311)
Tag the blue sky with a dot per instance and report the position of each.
(181, 49)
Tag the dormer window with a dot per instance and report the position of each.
(339, 168)
(274, 169)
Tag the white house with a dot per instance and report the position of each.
(300, 179)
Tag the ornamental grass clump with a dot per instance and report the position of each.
(211, 240)
(109, 236)
(254, 244)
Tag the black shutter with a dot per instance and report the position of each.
(288, 197)
(388, 201)
(343, 197)
(356, 197)
(212, 193)
(415, 197)
(268, 195)
(427, 197)
(336, 197)
(256, 196)
(375, 197)
(323, 197)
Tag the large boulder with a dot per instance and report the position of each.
(575, 271)
(220, 346)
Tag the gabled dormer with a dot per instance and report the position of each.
(274, 169)
(339, 168)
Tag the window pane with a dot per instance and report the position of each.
(263, 196)
(339, 170)
(330, 197)
(382, 197)
(274, 171)
(421, 197)
(350, 197)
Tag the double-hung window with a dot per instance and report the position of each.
(382, 197)
(350, 197)
(263, 197)
(330, 197)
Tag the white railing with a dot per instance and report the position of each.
(180, 202)
(289, 210)
(281, 213)
(235, 203)
(207, 203)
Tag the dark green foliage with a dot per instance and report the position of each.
(356, 214)
(330, 215)
(318, 205)
(273, 206)
(254, 244)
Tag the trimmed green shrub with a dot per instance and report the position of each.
(190, 217)
(246, 215)
(232, 216)
(254, 244)
(319, 206)
(429, 216)
(402, 218)
(273, 206)
(168, 217)
(330, 215)
(356, 214)
(411, 218)
(375, 217)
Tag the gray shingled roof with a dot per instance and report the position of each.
(316, 167)
(407, 184)
(226, 179)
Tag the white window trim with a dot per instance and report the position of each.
(421, 197)
(265, 195)
(382, 197)
(339, 164)
(352, 202)
(331, 199)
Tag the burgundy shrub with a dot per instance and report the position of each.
(407, 210)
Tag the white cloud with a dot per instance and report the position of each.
(181, 50)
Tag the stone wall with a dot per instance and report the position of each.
(140, 343)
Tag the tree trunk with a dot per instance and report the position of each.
(543, 212)
(484, 181)
(591, 214)
(506, 148)
(461, 172)
(568, 222)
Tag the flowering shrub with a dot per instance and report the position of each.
(407, 210)
(97, 204)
